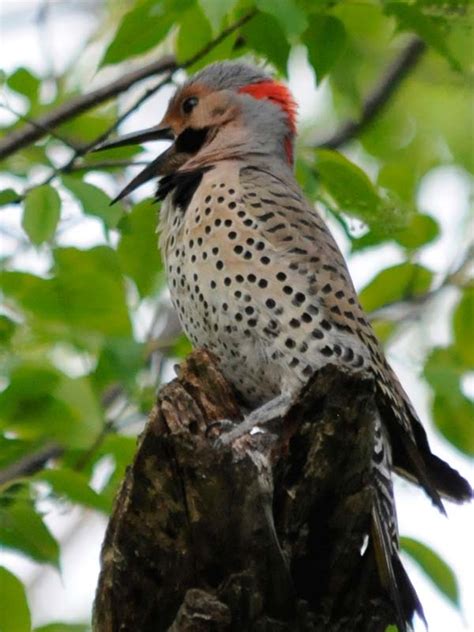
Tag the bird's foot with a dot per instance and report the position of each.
(253, 422)
(218, 428)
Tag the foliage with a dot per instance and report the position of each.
(79, 367)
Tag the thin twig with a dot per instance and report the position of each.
(37, 124)
(30, 463)
(379, 97)
(109, 164)
(459, 277)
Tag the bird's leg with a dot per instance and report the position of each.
(274, 408)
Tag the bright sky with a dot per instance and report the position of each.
(445, 194)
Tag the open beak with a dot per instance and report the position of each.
(159, 132)
(155, 168)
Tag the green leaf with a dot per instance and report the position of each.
(94, 201)
(355, 194)
(14, 610)
(347, 183)
(429, 28)
(397, 283)
(421, 230)
(182, 347)
(42, 213)
(74, 486)
(453, 412)
(34, 294)
(22, 529)
(291, 17)
(137, 250)
(63, 627)
(137, 33)
(24, 82)
(87, 127)
(8, 196)
(402, 172)
(7, 329)
(325, 39)
(265, 35)
(91, 291)
(194, 33)
(87, 420)
(463, 323)
(121, 449)
(435, 568)
(119, 362)
(41, 403)
(13, 449)
(86, 296)
(384, 329)
(216, 10)
(144, 27)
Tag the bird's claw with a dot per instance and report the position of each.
(254, 422)
(221, 427)
(236, 431)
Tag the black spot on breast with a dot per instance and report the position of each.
(326, 351)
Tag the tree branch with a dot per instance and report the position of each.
(379, 97)
(29, 134)
(30, 463)
(263, 535)
(37, 123)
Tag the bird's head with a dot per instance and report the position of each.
(227, 110)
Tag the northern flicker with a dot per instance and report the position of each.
(257, 278)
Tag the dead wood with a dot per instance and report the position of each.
(265, 535)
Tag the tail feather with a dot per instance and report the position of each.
(394, 577)
(449, 483)
(384, 536)
(411, 453)
(445, 479)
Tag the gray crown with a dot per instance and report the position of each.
(225, 75)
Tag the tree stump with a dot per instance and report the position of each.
(267, 534)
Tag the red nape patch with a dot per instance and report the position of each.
(276, 92)
(279, 94)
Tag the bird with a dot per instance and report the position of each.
(257, 278)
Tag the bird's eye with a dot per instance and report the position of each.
(189, 104)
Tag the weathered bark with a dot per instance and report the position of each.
(263, 535)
